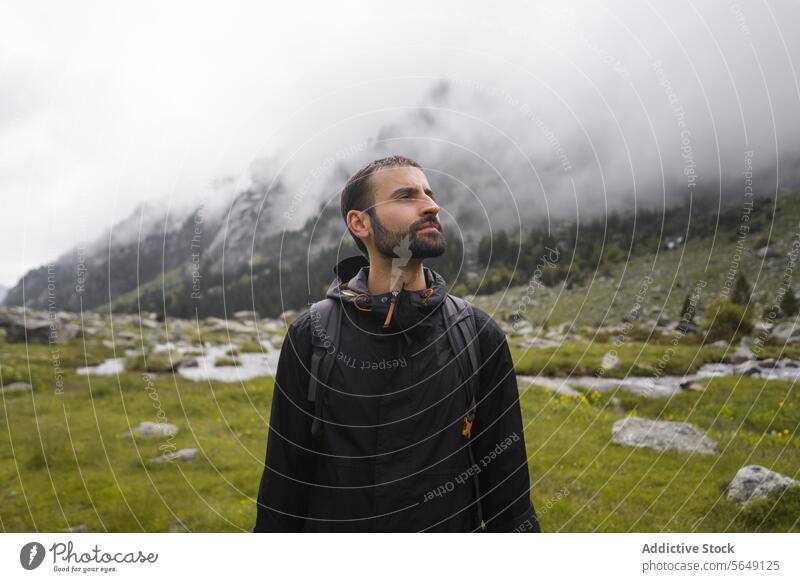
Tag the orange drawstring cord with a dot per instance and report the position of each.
(391, 305)
(391, 310)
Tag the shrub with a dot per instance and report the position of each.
(725, 320)
(151, 363)
(11, 374)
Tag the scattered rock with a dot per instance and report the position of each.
(643, 386)
(611, 363)
(245, 315)
(754, 482)
(167, 347)
(17, 387)
(21, 327)
(154, 429)
(149, 323)
(661, 435)
(786, 331)
(227, 325)
(538, 343)
(186, 362)
(766, 252)
(741, 355)
(288, 314)
(522, 328)
(685, 327)
(693, 386)
(646, 369)
(749, 368)
(185, 455)
(616, 404)
(557, 385)
(269, 325)
(180, 325)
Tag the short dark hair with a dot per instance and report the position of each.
(356, 194)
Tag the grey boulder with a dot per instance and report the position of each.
(154, 429)
(184, 455)
(661, 435)
(755, 482)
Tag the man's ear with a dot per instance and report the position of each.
(359, 222)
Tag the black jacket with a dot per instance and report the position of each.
(391, 456)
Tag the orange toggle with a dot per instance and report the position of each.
(467, 430)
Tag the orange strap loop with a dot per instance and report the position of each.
(355, 302)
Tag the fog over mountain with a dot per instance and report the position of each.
(153, 164)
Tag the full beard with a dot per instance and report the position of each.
(398, 244)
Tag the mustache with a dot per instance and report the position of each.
(432, 222)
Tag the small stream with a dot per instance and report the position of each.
(251, 365)
(260, 364)
(110, 367)
(659, 387)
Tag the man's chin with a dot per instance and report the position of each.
(428, 251)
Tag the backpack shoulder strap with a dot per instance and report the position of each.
(462, 331)
(326, 319)
(463, 335)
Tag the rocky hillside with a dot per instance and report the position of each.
(241, 257)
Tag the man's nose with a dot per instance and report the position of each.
(430, 207)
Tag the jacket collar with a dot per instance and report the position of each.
(411, 308)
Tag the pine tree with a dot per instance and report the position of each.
(788, 304)
(741, 290)
(687, 311)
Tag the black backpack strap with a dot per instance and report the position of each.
(463, 335)
(326, 319)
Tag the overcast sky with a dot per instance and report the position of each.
(104, 106)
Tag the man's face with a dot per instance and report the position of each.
(405, 217)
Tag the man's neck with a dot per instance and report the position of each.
(385, 277)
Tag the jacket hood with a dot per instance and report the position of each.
(410, 307)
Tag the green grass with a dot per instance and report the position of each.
(618, 489)
(250, 347)
(66, 460)
(69, 462)
(635, 359)
(226, 361)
